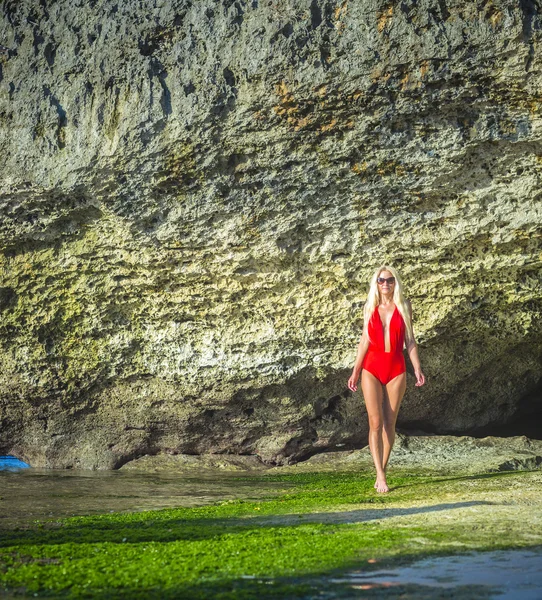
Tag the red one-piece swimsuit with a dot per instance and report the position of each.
(385, 365)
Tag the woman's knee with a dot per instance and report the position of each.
(389, 427)
(376, 424)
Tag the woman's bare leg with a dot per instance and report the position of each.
(373, 395)
(395, 390)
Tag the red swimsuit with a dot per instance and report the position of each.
(385, 365)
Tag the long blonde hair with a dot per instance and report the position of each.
(373, 300)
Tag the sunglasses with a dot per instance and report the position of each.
(382, 280)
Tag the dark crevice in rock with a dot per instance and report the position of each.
(165, 100)
(287, 30)
(229, 77)
(530, 56)
(521, 464)
(178, 20)
(62, 118)
(189, 88)
(332, 405)
(296, 451)
(302, 449)
(119, 462)
(37, 42)
(316, 14)
(444, 12)
(530, 10)
(325, 43)
(147, 47)
(417, 427)
(50, 53)
(8, 297)
(43, 6)
(525, 421)
(239, 15)
(10, 10)
(528, 426)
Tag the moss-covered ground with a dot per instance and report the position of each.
(287, 545)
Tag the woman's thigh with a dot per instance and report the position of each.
(395, 390)
(373, 395)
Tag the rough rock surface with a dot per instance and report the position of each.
(197, 463)
(439, 454)
(193, 196)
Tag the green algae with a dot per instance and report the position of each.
(280, 546)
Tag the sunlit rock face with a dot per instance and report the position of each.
(195, 194)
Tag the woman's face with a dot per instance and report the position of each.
(387, 286)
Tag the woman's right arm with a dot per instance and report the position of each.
(356, 372)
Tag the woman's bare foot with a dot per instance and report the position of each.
(376, 482)
(381, 485)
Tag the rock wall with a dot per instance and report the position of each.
(193, 198)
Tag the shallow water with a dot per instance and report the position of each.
(31, 494)
(506, 574)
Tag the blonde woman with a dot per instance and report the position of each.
(387, 326)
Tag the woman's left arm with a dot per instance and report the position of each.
(412, 349)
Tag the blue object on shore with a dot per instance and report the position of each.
(10, 463)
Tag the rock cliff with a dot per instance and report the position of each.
(194, 195)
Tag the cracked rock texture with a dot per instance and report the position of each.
(193, 196)
(438, 454)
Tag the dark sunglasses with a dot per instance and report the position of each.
(382, 280)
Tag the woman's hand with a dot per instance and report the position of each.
(420, 377)
(353, 382)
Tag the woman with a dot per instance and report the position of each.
(387, 325)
